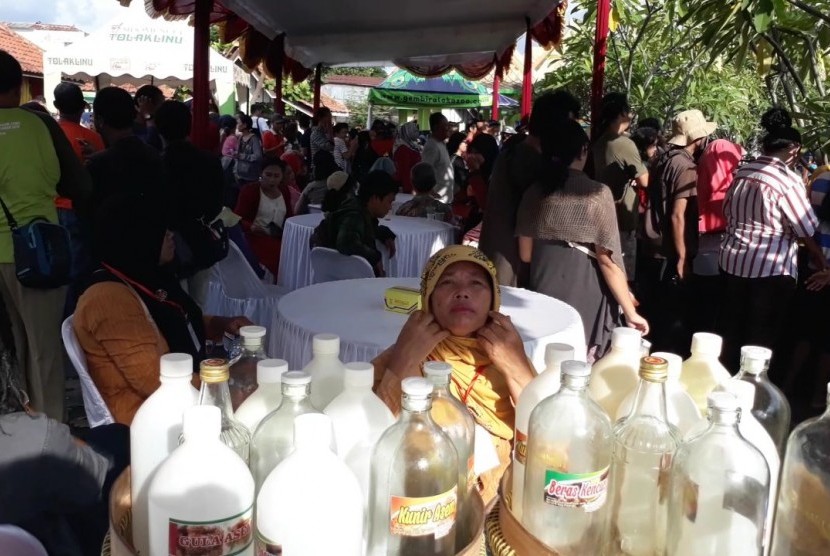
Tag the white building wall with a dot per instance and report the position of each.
(346, 93)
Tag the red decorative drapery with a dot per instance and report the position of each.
(600, 51)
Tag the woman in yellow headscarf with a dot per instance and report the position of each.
(459, 323)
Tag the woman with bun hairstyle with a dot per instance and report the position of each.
(767, 212)
(567, 228)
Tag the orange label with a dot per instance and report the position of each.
(521, 447)
(430, 515)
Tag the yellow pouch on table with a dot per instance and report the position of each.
(402, 300)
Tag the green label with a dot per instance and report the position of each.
(586, 491)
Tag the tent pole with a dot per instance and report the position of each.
(369, 117)
(318, 76)
(527, 77)
(496, 89)
(279, 105)
(600, 51)
(201, 68)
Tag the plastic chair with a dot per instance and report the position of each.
(235, 290)
(97, 412)
(328, 265)
(15, 541)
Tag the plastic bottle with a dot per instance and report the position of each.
(771, 407)
(570, 441)
(414, 485)
(644, 446)
(680, 407)
(273, 439)
(702, 371)
(311, 502)
(215, 374)
(154, 434)
(719, 493)
(268, 395)
(243, 369)
(455, 420)
(359, 418)
(803, 515)
(615, 376)
(325, 369)
(545, 384)
(202, 495)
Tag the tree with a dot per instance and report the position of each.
(368, 71)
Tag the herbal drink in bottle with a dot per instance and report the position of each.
(215, 374)
(243, 368)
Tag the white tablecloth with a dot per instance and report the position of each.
(418, 239)
(354, 310)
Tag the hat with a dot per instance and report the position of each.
(69, 98)
(337, 180)
(443, 259)
(689, 126)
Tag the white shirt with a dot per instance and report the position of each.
(436, 155)
(270, 210)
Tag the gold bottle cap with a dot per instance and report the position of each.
(214, 370)
(654, 369)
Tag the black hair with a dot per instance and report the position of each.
(435, 120)
(291, 132)
(114, 107)
(652, 123)
(150, 91)
(781, 135)
(227, 123)
(612, 106)
(173, 120)
(339, 127)
(376, 184)
(335, 197)
(274, 162)
(559, 150)
(645, 137)
(454, 142)
(486, 146)
(550, 110)
(364, 139)
(324, 165)
(353, 132)
(11, 73)
(320, 113)
(423, 177)
(247, 121)
(303, 119)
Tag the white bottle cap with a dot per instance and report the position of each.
(416, 387)
(557, 353)
(326, 344)
(312, 429)
(706, 343)
(755, 359)
(575, 368)
(176, 365)
(270, 371)
(722, 401)
(360, 375)
(675, 364)
(626, 338)
(744, 391)
(202, 421)
(437, 369)
(252, 334)
(295, 378)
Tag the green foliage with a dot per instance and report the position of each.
(368, 71)
(359, 112)
(215, 41)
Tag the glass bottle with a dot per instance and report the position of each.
(414, 488)
(570, 441)
(215, 374)
(802, 520)
(458, 424)
(644, 446)
(771, 407)
(702, 371)
(243, 368)
(545, 384)
(268, 395)
(615, 375)
(273, 439)
(325, 369)
(719, 491)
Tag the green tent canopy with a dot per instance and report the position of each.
(405, 90)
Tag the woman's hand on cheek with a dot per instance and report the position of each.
(417, 339)
(502, 343)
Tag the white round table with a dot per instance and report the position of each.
(417, 240)
(354, 310)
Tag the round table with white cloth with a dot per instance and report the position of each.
(354, 310)
(417, 240)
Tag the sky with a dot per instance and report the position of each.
(87, 15)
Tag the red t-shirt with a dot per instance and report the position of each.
(76, 133)
(273, 145)
(715, 170)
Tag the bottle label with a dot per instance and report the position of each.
(471, 471)
(266, 547)
(587, 491)
(430, 515)
(521, 447)
(223, 537)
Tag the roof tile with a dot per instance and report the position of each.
(26, 52)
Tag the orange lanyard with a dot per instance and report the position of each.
(479, 371)
(146, 290)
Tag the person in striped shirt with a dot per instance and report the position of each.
(767, 213)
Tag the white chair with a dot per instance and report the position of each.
(328, 265)
(15, 541)
(235, 290)
(97, 412)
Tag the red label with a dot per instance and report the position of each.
(224, 537)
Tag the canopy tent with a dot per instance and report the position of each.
(405, 90)
(134, 48)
